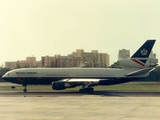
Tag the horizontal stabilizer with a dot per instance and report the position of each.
(140, 72)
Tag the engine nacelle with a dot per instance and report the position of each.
(63, 85)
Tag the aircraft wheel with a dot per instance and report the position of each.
(92, 89)
(24, 90)
(89, 90)
(86, 90)
(82, 90)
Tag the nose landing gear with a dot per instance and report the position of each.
(25, 88)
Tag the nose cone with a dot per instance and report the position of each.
(5, 75)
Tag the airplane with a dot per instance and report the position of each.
(136, 67)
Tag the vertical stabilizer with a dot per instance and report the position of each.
(140, 59)
(145, 50)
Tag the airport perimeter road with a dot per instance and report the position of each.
(79, 108)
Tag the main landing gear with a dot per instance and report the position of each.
(85, 89)
(25, 88)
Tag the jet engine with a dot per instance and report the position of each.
(63, 85)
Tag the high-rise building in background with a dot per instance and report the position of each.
(123, 54)
(29, 62)
(79, 58)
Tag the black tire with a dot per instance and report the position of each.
(24, 90)
(89, 90)
(81, 90)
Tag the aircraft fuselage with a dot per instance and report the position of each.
(45, 76)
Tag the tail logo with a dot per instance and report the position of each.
(144, 52)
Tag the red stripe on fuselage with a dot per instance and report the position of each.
(138, 62)
(20, 80)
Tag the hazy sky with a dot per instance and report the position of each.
(49, 27)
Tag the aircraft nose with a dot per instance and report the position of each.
(5, 75)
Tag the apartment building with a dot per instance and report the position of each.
(77, 59)
(60, 61)
(123, 54)
(29, 62)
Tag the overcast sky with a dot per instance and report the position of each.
(49, 27)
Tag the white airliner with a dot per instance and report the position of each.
(138, 66)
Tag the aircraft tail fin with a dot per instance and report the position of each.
(140, 59)
(145, 50)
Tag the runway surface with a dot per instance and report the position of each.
(86, 107)
(71, 105)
